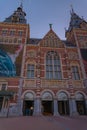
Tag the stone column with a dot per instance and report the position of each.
(56, 113)
(3, 102)
(3, 107)
(21, 111)
(73, 108)
(86, 105)
(37, 106)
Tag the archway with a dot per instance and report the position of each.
(28, 104)
(80, 103)
(63, 103)
(47, 103)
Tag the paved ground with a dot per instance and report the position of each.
(43, 123)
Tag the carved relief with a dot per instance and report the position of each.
(31, 54)
(73, 56)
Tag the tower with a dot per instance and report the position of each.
(14, 34)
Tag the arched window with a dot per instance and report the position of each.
(29, 96)
(53, 67)
(75, 73)
(30, 70)
(79, 96)
(47, 96)
(62, 96)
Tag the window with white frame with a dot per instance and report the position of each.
(75, 73)
(53, 66)
(20, 32)
(4, 32)
(3, 86)
(30, 70)
(12, 32)
(19, 40)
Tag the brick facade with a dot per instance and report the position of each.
(52, 95)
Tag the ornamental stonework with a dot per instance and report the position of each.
(31, 54)
(73, 56)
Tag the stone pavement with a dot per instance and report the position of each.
(44, 123)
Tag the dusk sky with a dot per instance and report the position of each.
(40, 13)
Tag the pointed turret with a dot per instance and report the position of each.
(75, 21)
(17, 17)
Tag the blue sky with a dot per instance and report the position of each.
(40, 13)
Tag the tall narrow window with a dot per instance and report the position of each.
(3, 87)
(30, 71)
(75, 73)
(4, 32)
(53, 67)
(12, 32)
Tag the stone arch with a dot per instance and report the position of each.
(63, 102)
(80, 102)
(64, 91)
(62, 96)
(49, 91)
(28, 102)
(80, 92)
(28, 91)
(47, 102)
(30, 62)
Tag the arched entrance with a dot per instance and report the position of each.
(47, 103)
(28, 104)
(80, 103)
(63, 103)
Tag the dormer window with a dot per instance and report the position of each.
(15, 19)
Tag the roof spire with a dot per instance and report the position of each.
(50, 26)
(72, 10)
(21, 5)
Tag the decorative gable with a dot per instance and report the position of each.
(51, 40)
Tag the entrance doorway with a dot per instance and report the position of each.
(63, 103)
(47, 107)
(80, 103)
(63, 107)
(81, 107)
(28, 107)
(28, 104)
(47, 103)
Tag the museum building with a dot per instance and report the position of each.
(46, 76)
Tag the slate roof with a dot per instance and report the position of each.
(17, 17)
(75, 21)
(69, 44)
(34, 41)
